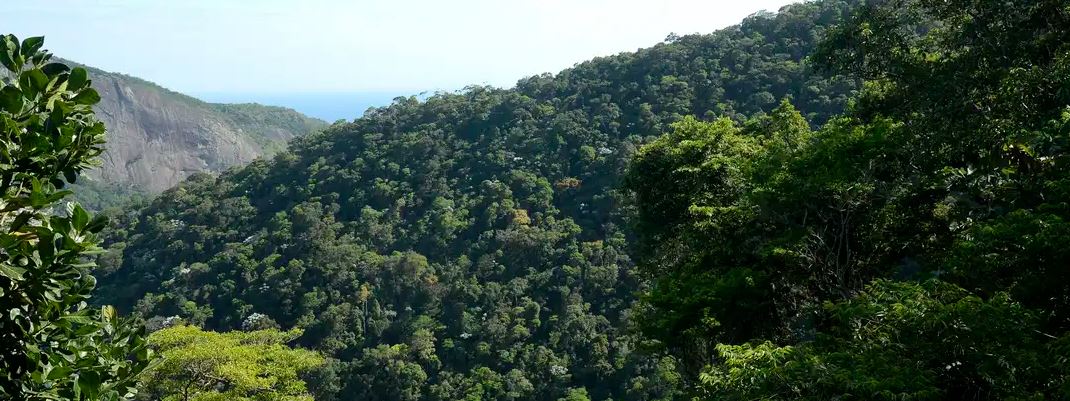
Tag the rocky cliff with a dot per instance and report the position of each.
(157, 137)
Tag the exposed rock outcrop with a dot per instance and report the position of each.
(157, 137)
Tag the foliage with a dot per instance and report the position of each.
(469, 246)
(96, 196)
(52, 344)
(268, 126)
(911, 249)
(200, 366)
(958, 346)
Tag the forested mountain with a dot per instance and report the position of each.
(157, 137)
(470, 246)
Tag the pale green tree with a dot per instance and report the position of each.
(202, 365)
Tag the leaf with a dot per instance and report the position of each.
(98, 224)
(53, 69)
(11, 99)
(78, 79)
(20, 221)
(9, 52)
(87, 96)
(59, 372)
(80, 218)
(78, 319)
(11, 272)
(55, 196)
(36, 79)
(37, 196)
(46, 249)
(109, 313)
(31, 45)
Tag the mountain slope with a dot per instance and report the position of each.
(470, 245)
(157, 138)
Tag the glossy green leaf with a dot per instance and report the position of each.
(78, 78)
(11, 272)
(11, 99)
(53, 69)
(80, 218)
(87, 96)
(31, 45)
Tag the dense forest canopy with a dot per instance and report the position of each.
(914, 248)
(472, 245)
(842, 200)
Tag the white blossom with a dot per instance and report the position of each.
(558, 370)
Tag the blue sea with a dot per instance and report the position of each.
(329, 107)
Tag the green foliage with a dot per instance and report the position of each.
(703, 181)
(912, 249)
(52, 344)
(894, 341)
(198, 365)
(473, 245)
(98, 196)
(268, 126)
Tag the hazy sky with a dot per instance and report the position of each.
(278, 46)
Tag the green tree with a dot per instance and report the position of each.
(199, 365)
(52, 344)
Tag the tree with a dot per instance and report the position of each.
(52, 344)
(199, 365)
(695, 183)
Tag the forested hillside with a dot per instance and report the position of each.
(470, 246)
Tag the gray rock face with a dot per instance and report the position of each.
(156, 137)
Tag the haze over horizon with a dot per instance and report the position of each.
(234, 50)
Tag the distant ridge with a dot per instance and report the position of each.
(157, 137)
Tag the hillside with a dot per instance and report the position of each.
(157, 137)
(472, 245)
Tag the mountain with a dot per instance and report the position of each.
(157, 137)
(472, 245)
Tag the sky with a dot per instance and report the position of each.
(339, 46)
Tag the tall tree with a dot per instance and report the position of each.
(52, 344)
